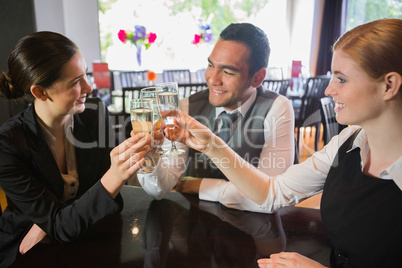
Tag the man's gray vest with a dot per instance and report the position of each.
(248, 137)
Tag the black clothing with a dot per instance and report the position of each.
(363, 214)
(30, 177)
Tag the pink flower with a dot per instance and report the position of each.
(197, 39)
(151, 37)
(204, 35)
(122, 36)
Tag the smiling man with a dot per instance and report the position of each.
(261, 129)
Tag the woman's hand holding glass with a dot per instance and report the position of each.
(126, 159)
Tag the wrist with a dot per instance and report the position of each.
(215, 147)
(112, 185)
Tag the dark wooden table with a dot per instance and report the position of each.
(182, 231)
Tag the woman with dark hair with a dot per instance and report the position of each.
(57, 169)
(359, 171)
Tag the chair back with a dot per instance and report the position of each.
(179, 76)
(133, 78)
(309, 112)
(314, 89)
(278, 86)
(129, 93)
(120, 116)
(331, 126)
(185, 90)
(201, 75)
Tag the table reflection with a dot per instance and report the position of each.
(208, 236)
(182, 231)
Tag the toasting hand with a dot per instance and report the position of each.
(189, 131)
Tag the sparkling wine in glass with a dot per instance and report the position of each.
(149, 93)
(142, 116)
(168, 104)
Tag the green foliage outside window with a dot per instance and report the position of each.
(362, 11)
(225, 12)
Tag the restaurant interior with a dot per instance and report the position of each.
(301, 73)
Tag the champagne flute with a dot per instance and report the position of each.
(142, 114)
(168, 101)
(149, 93)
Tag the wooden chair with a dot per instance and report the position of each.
(279, 86)
(185, 90)
(309, 112)
(331, 126)
(179, 76)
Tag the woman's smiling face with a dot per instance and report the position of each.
(355, 94)
(68, 94)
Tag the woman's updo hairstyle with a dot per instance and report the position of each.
(37, 59)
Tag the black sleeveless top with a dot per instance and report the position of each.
(363, 214)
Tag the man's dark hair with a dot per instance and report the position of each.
(254, 38)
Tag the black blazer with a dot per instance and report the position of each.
(33, 184)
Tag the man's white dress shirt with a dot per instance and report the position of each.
(276, 156)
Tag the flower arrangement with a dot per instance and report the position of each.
(139, 37)
(205, 34)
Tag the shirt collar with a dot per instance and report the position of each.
(242, 109)
(393, 172)
(50, 139)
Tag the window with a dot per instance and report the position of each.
(363, 11)
(175, 22)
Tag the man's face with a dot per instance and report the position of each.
(227, 74)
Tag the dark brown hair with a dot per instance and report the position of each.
(36, 59)
(256, 41)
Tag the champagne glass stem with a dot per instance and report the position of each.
(174, 146)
